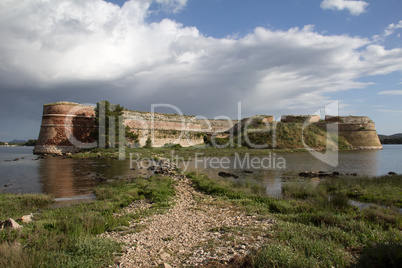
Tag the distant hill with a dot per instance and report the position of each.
(17, 141)
(396, 136)
(391, 139)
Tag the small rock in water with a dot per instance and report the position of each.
(323, 174)
(308, 174)
(227, 175)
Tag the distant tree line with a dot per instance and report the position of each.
(391, 141)
(30, 143)
(27, 143)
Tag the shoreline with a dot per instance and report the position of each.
(166, 220)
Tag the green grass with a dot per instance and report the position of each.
(67, 236)
(14, 206)
(292, 135)
(187, 153)
(313, 230)
(384, 190)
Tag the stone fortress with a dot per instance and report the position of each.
(66, 127)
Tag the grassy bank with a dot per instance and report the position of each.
(383, 190)
(67, 236)
(315, 225)
(187, 153)
(314, 230)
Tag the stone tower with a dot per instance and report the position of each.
(65, 127)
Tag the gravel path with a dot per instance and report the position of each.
(197, 230)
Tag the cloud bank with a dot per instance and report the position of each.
(354, 7)
(391, 92)
(87, 51)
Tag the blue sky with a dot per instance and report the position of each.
(203, 56)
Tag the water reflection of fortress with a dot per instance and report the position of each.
(77, 177)
(64, 178)
(65, 121)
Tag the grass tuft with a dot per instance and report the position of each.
(316, 226)
(67, 236)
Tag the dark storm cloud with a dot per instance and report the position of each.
(87, 51)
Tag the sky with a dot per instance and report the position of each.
(202, 56)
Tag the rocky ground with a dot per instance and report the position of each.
(197, 230)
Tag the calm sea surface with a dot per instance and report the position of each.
(68, 179)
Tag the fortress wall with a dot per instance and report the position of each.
(167, 128)
(349, 119)
(216, 125)
(357, 127)
(359, 131)
(157, 117)
(161, 137)
(185, 138)
(68, 108)
(161, 125)
(362, 140)
(62, 121)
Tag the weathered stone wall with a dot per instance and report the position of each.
(164, 129)
(216, 125)
(359, 131)
(349, 119)
(63, 124)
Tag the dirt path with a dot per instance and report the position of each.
(197, 230)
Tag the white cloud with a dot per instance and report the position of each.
(354, 7)
(388, 31)
(395, 112)
(97, 48)
(392, 27)
(391, 92)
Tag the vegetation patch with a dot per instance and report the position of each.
(316, 227)
(384, 190)
(67, 236)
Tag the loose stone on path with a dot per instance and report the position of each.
(197, 230)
